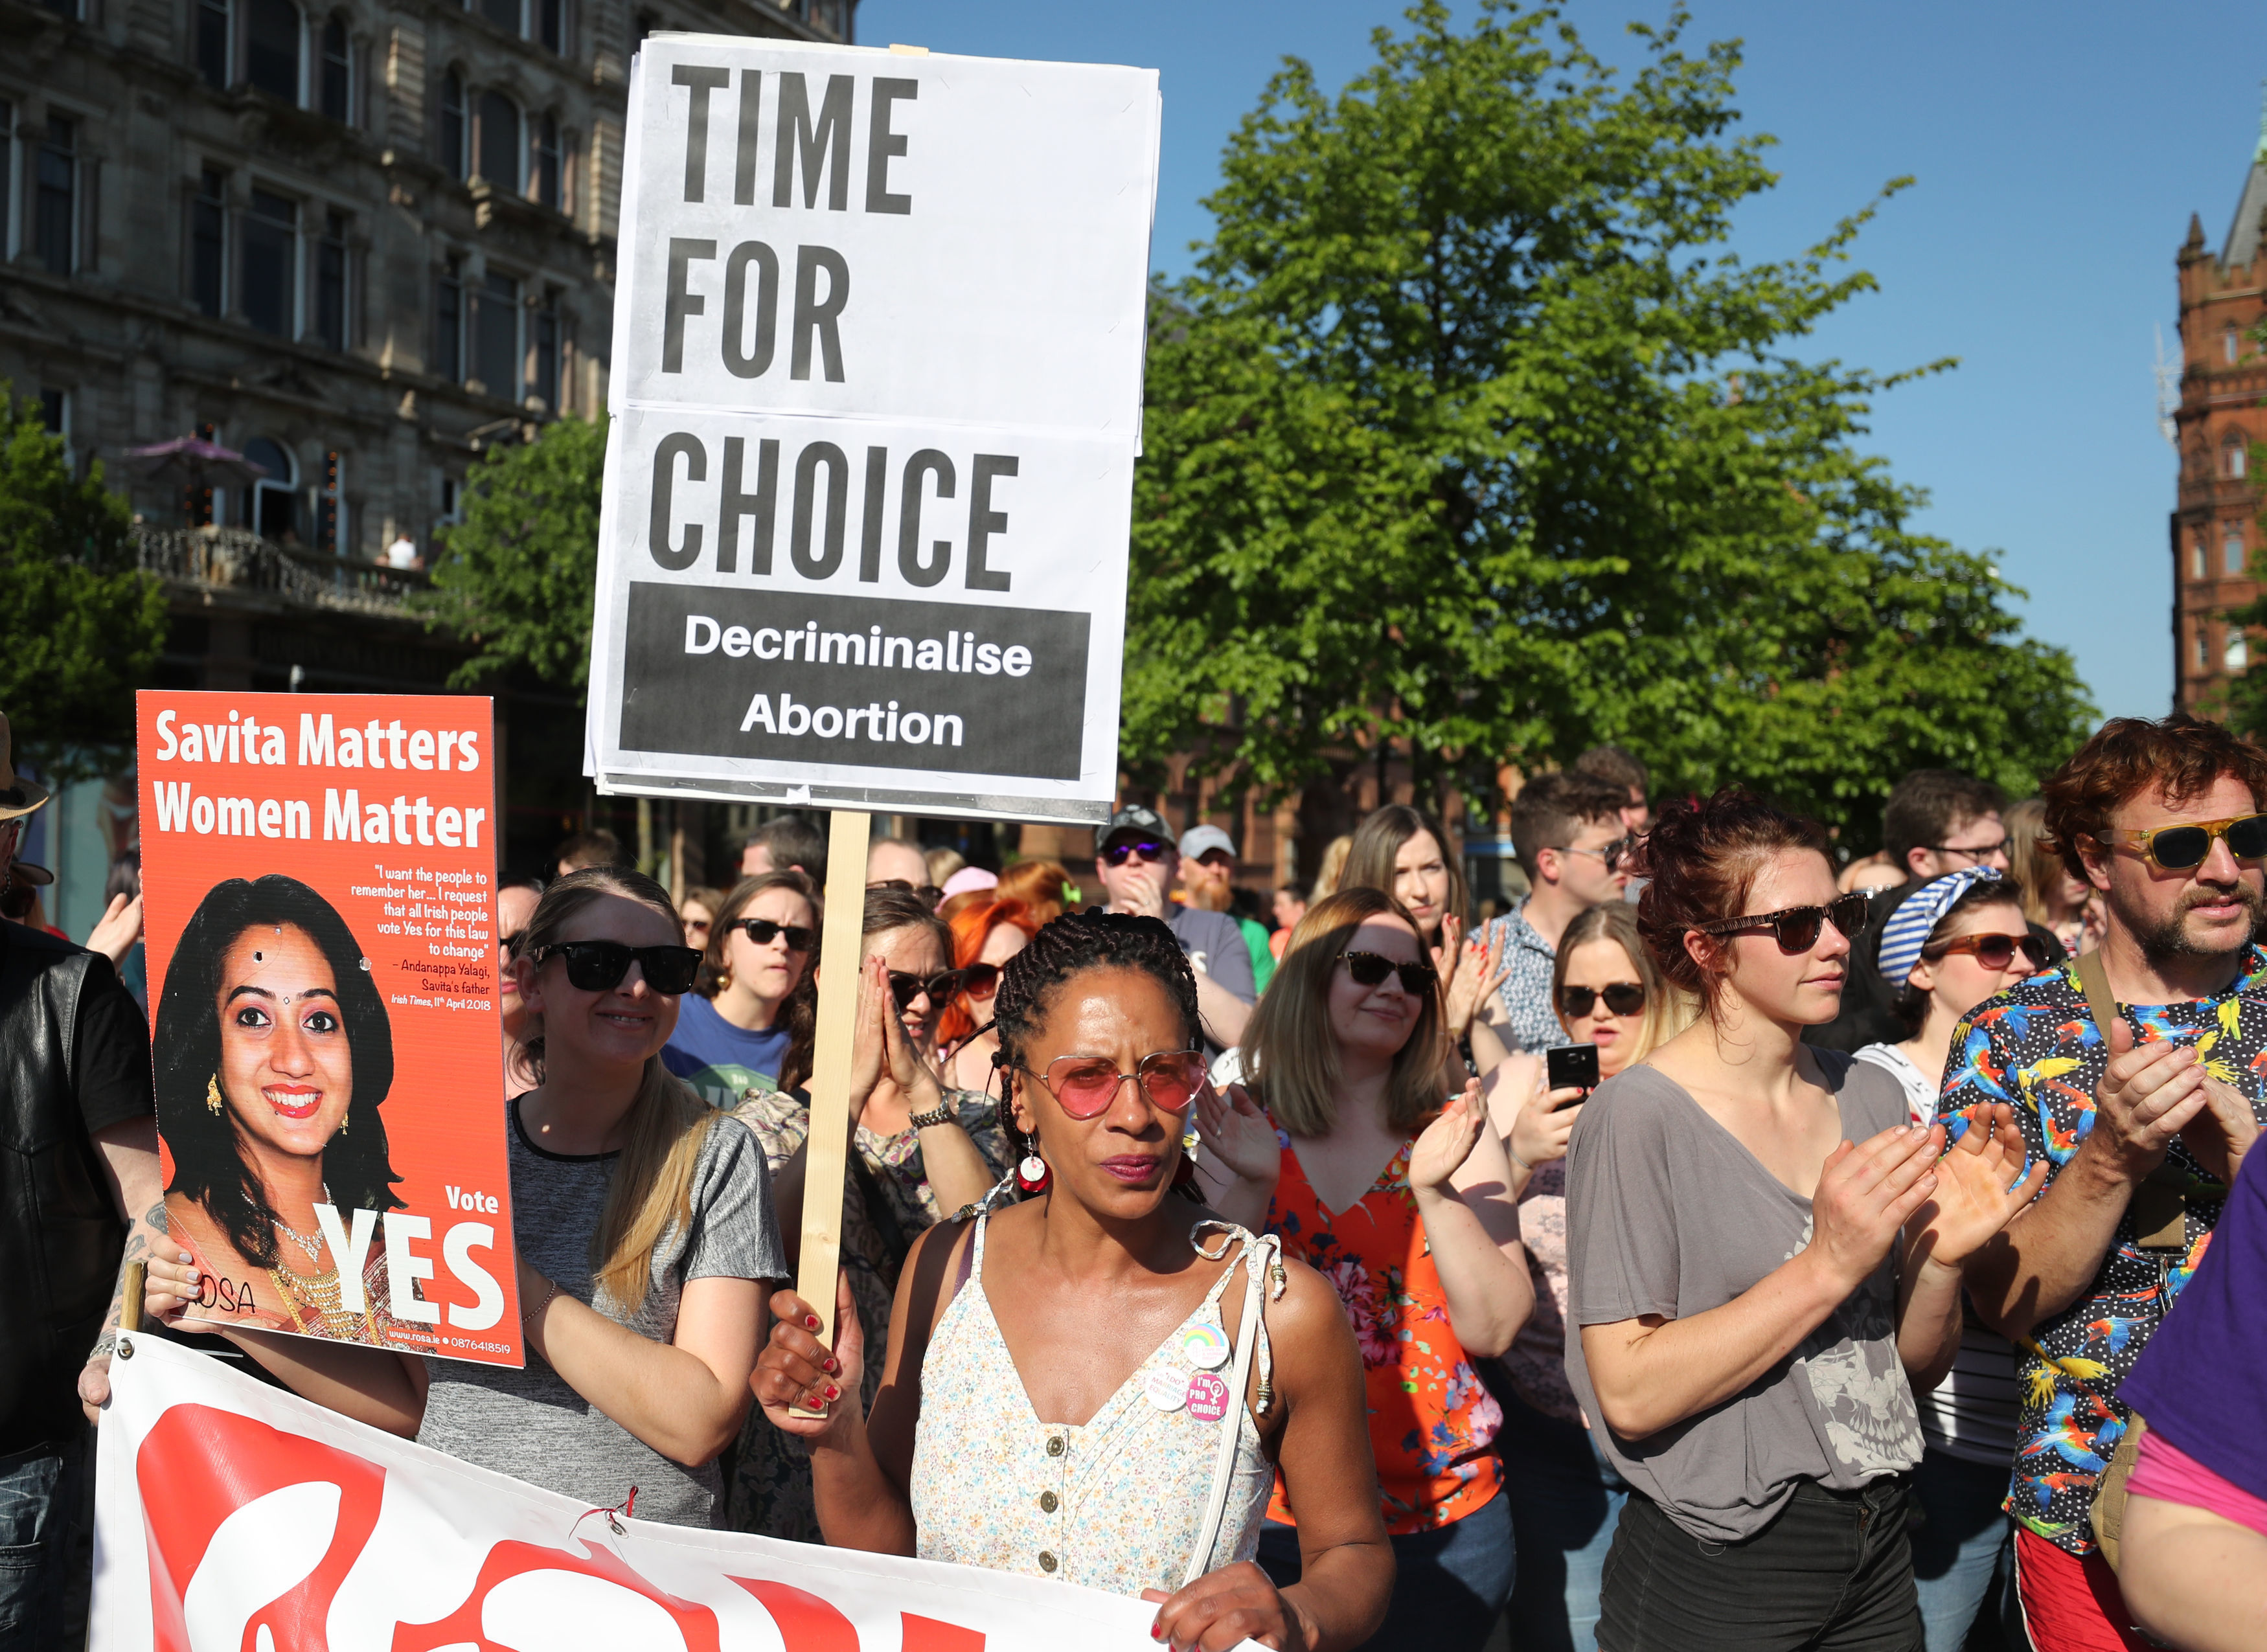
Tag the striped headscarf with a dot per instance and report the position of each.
(1910, 927)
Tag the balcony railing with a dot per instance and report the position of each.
(238, 560)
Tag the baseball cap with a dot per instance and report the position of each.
(1134, 818)
(1199, 841)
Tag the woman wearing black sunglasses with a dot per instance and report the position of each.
(759, 951)
(645, 1235)
(1763, 1263)
(1407, 1206)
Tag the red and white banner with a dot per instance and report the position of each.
(235, 1518)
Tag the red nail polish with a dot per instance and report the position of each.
(811, 1322)
(833, 1392)
(1156, 1632)
(834, 1366)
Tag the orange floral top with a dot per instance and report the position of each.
(1432, 1423)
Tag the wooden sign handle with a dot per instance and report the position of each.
(827, 1150)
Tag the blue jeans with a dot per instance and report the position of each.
(1449, 1584)
(1565, 1501)
(47, 1544)
(1959, 1544)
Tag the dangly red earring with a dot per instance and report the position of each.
(1031, 1170)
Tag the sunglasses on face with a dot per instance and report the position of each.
(979, 980)
(598, 965)
(1085, 1085)
(763, 931)
(1118, 854)
(1623, 997)
(510, 943)
(1998, 952)
(929, 893)
(939, 987)
(1370, 968)
(1797, 929)
(2179, 848)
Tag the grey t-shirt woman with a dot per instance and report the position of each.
(1668, 1213)
(529, 1422)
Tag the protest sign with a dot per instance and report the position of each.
(318, 884)
(230, 1514)
(877, 395)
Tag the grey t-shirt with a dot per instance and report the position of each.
(1215, 945)
(1668, 1213)
(529, 1424)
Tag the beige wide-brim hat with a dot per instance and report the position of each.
(18, 797)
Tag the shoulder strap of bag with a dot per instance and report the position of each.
(2160, 1205)
(1231, 1433)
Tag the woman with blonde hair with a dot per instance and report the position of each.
(1344, 1147)
(1565, 1497)
(2065, 906)
(645, 1235)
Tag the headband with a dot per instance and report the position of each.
(1910, 927)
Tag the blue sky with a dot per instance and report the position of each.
(2057, 152)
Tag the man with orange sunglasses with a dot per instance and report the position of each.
(2144, 1104)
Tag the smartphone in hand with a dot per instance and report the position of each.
(1571, 1067)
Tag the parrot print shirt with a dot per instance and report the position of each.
(2035, 1047)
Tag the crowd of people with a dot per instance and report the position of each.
(1734, 1243)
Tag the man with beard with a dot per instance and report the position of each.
(2144, 1130)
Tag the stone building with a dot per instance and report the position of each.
(357, 241)
(2215, 530)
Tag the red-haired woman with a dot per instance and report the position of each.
(1763, 1263)
(986, 933)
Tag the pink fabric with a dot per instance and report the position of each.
(2169, 1474)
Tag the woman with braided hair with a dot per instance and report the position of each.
(1076, 1394)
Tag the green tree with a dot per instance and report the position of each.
(1467, 436)
(80, 623)
(518, 577)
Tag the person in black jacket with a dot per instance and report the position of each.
(80, 1194)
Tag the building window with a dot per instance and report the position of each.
(2199, 558)
(2230, 547)
(2202, 658)
(55, 412)
(449, 324)
(338, 71)
(2231, 345)
(331, 282)
(269, 500)
(54, 208)
(208, 242)
(2232, 457)
(544, 161)
(7, 178)
(452, 500)
(271, 235)
(546, 375)
(452, 124)
(497, 140)
(496, 337)
(2238, 652)
(212, 59)
(551, 24)
(505, 14)
(271, 57)
(331, 533)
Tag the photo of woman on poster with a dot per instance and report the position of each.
(274, 1054)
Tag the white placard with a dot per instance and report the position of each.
(876, 397)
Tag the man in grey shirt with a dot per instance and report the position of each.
(1137, 863)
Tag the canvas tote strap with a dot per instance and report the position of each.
(2160, 1205)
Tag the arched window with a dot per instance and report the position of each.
(271, 60)
(452, 125)
(2232, 457)
(338, 71)
(544, 160)
(496, 142)
(2230, 547)
(2238, 652)
(269, 502)
(2231, 344)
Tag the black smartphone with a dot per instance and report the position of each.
(1571, 1067)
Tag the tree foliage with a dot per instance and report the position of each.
(518, 577)
(81, 624)
(1467, 434)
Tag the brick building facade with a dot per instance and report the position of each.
(2214, 530)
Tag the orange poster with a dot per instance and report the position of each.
(319, 881)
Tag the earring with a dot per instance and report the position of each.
(1032, 1173)
(213, 1104)
(341, 1130)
